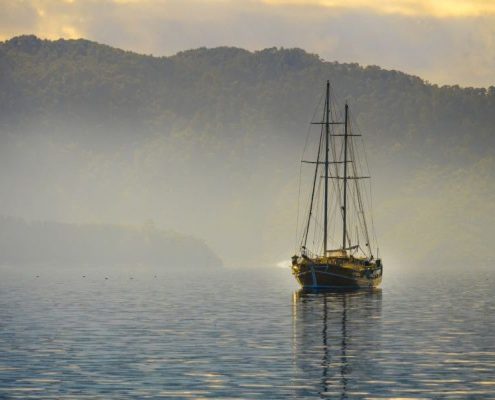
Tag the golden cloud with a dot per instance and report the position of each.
(434, 8)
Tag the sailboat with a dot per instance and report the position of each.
(321, 261)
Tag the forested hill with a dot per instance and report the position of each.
(213, 90)
(208, 142)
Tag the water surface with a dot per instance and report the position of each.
(144, 334)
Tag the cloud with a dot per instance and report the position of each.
(49, 19)
(437, 8)
(446, 41)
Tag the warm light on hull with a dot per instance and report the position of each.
(331, 276)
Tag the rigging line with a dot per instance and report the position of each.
(310, 212)
(314, 184)
(300, 171)
(334, 105)
(357, 212)
(317, 225)
(342, 211)
(368, 193)
(365, 156)
(334, 213)
(360, 202)
(335, 182)
(309, 127)
(365, 205)
(306, 209)
(351, 206)
(302, 228)
(335, 114)
(314, 218)
(370, 202)
(350, 213)
(337, 197)
(298, 207)
(359, 206)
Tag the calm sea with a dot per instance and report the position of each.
(243, 334)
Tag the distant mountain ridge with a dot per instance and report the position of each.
(111, 89)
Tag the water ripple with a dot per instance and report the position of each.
(242, 335)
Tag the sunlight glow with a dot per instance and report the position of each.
(437, 8)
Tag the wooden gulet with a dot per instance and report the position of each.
(340, 268)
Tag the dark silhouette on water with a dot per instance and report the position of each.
(352, 265)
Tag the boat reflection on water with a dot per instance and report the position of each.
(335, 338)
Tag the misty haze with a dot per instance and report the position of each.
(207, 143)
(167, 229)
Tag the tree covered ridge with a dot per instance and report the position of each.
(215, 89)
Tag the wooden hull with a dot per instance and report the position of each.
(331, 276)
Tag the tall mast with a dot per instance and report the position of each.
(327, 131)
(344, 208)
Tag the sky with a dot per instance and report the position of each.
(442, 41)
